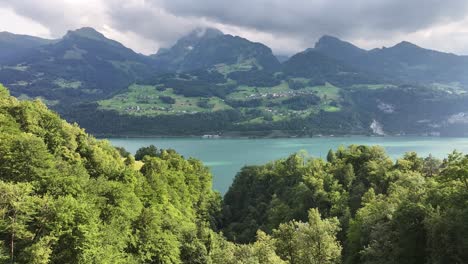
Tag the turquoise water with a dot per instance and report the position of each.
(226, 157)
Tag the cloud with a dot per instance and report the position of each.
(286, 26)
(148, 21)
(308, 20)
(332, 16)
(10, 21)
(59, 15)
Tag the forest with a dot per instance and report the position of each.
(66, 197)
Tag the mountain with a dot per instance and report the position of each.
(322, 68)
(333, 88)
(83, 65)
(208, 48)
(404, 62)
(213, 83)
(341, 50)
(185, 44)
(13, 44)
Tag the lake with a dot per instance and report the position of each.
(226, 157)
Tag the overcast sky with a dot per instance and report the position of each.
(287, 26)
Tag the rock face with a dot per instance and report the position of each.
(377, 128)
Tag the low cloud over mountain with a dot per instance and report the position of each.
(286, 26)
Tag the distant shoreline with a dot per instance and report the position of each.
(103, 136)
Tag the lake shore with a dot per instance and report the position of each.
(270, 136)
(226, 156)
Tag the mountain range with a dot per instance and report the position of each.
(209, 82)
(405, 61)
(13, 44)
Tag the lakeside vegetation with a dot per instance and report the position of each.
(66, 197)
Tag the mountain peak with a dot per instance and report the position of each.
(337, 48)
(200, 33)
(206, 47)
(89, 33)
(329, 38)
(406, 44)
(86, 32)
(331, 42)
(188, 41)
(206, 32)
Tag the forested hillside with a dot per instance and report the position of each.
(69, 198)
(66, 197)
(414, 210)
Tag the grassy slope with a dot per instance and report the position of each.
(143, 100)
